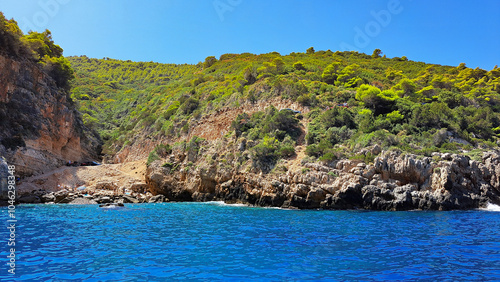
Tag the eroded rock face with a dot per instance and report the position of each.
(40, 127)
(394, 182)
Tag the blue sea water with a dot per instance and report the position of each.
(213, 242)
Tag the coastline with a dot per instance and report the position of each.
(393, 182)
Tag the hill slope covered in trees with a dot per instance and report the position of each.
(354, 101)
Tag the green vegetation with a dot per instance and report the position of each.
(160, 151)
(355, 100)
(37, 47)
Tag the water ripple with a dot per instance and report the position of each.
(211, 241)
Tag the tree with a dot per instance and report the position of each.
(310, 51)
(280, 65)
(10, 35)
(299, 66)
(337, 117)
(348, 78)
(376, 53)
(285, 123)
(406, 88)
(250, 75)
(380, 102)
(265, 154)
(209, 61)
(42, 45)
(330, 73)
(190, 105)
(451, 98)
(60, 70)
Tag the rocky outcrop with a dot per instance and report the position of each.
(84, 198)
(40, 128)
(394, 181)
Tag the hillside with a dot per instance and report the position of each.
(348, 101)
(320, 129)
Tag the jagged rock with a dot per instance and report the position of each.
(66, 200)
(157, 199)
(315, 197)
(82, 201)
(138, 187)
(131, 200)
(103, 200)
(203, 197)
(106, 185)
(29, 199)
(242, 145)
(60, 195)
(4, 174)
(49, 197)
(376, 149)
(395, 181)
(348, 197)
(406, 168)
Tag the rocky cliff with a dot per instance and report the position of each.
(40, 128)
(394, 181)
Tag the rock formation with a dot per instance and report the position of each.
(395, 181)
(40, 128)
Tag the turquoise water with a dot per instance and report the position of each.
(212, 242)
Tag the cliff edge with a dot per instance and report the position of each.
(41, 129)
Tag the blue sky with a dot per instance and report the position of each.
(186, 31)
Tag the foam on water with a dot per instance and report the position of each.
(222, 203)
(492, 207)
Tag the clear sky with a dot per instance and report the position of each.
(445, 32)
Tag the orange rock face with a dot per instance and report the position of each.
(39, 126)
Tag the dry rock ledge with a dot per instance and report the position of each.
(394, 182)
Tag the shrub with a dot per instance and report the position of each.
(328, 157)
(287, 151)
(299, 66)
(190, 105)
(153, 156)
(163, 150)
(395, 117)
(265, 154)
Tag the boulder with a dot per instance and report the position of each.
(82, 201)
(47, 198)
(157, 199)
(129, 199)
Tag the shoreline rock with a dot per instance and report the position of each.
(394, 182)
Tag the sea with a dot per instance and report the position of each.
(218, 242)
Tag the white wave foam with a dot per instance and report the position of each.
(221, 203)
(491, 207)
